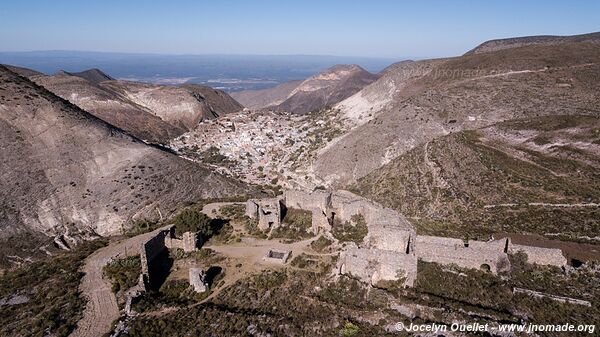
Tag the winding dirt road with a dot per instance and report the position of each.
(101, 309)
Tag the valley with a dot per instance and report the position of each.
(345, 202)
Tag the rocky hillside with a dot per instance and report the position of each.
(151, 112)
(415, 102)
(537, 175)
(316, 92)
(259, 99)
(515, 42)
(93, 75)
(68, 174)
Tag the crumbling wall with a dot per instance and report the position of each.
(391, 238)
(149, 250)
(541, 256)
(472, 254)
(198, 280)
(319, 221)
(307, 201)
(378, 267)
(188, 242)
(252, 209)
(266, 211)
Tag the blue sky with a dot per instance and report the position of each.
(350, 28)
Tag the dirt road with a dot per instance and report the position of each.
(101, 309)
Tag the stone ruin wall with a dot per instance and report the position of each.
(392, 247)
(541, 256)
(150, 249)
(188, 242)
(376, 266)
(473, 255)
(266, 211)
(197, 278)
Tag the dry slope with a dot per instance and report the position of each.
(151, 112)
(413, 103)
(537, 175)
(66, 172)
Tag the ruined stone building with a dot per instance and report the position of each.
(391, 249)
(198, 280)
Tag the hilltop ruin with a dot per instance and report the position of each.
(391, 249)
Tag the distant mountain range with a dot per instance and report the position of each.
(226, 72)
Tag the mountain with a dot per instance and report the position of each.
(534, 175)
(258, 99)
(218, 102)
(151, 112)
(67, 173)
(415, 102)
(515, 42)
(93, 75)
(316, 92)
(22, 71)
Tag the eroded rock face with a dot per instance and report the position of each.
(151, 112)
(64, 168)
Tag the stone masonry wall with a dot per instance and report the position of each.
(454, 251)
(149, 250)
(375, 266)
(541, 256)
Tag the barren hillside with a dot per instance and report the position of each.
(515, 42)
(415, 102)
(316, 92)
(69, 174)
(151, 112)
(258, 99)
(537, 175)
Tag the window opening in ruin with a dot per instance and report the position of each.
(506, 246)
(485, 267)
(575, 263)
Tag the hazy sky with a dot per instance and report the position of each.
(351, 28)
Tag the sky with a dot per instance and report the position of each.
(375, 28)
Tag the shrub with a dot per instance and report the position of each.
(320, 244)
(193, 220)
(296, 225)
(124, 273)
(351, 231)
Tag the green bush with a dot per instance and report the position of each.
(320, 244)
(351, 231)
(296, 225)
(193, 220)
(123, 273)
